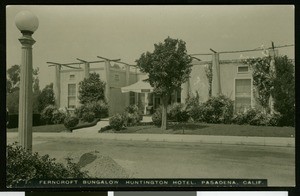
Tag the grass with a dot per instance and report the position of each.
(215, 129)
(44, 128)
(57, 127)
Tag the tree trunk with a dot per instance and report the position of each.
(164, 124)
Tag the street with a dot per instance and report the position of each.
(142, 159)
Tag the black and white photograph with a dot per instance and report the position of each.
(150, 96)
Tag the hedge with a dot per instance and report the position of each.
(14, 120)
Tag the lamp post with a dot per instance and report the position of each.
(27, 23)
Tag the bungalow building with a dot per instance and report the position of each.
(231, 78)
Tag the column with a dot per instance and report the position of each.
(107, 86)
(272, 53)
(25, 100)
(127, 95)
(216, 81)
(57, 85)
(86, 70)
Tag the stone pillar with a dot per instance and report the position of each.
(272, 53)
(25, 100)
(57, 85)
(107, 86)
(86, 70)
(185, 92)
(216, 81)
(127, 95)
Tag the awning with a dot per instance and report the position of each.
(138, 87)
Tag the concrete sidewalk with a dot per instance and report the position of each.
(201, 139)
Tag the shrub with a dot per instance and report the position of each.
(88, 116)
(194, 108)
(156, 117)
(132, 115)
(218, 110)
(91, 89)
(255, 117)
(58, 117)
(117, 122)
(99, 108)
(177, 112)
(22, 166)
(47, 114)
(196, 113)
(71, 121)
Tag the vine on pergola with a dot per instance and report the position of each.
(263, 79)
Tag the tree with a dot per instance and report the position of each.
(46, 97)
(12, 89)
(91, 89)
(280, 85)
(13, 78)
(168, 67)
(284, 90)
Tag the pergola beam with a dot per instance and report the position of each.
(114, 60)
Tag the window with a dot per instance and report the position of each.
(242, 94)
(72, 77)
(131, 98)
(71, 95)
(243, 69)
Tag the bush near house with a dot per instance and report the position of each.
(58, 117)
(217, 110)
(98, 109)
(177, 112)
(71, 121)
(22, 166)
(156, 117)
(255, 117)
(88, 116)
(132, 115)
(52, 115)
(117, 122)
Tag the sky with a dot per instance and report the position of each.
(69, 32)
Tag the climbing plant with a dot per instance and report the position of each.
(262, 79)
(208, 72)
(278, 82)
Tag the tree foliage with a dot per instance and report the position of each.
(91, 89)
(13, 78)
(12, 89)
(168, 66)
(284, 90)
(262, 79)
(46, 97)
(279, 83)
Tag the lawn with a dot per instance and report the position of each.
(215, 129)
(57, 127)
(44, 128)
